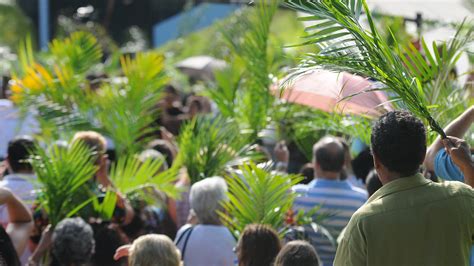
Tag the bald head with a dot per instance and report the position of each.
(329, 154)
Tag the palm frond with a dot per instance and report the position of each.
(80, 51)
(254, 99)
(62, 173)
(257, 196)
(130, 175)
(346, 46)
(208, 145)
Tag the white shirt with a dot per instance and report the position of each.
(207, 245)
(22, 186)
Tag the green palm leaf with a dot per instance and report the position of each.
(347, 46)
(253, 98)
(209, 145)
(61, 173)
(80, 51)
(257, 196)
(130, 175)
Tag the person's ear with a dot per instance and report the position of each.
(377, 163)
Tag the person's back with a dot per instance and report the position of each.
(206, 245)
(431, 221)
(410, 220)
(337, 199)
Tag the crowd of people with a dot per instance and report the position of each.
(397, 202)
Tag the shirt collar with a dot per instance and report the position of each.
(398, 185)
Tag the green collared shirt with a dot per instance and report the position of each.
(411, 221)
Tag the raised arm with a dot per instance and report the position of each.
(456, 128)
(20, 225)
(460, 153)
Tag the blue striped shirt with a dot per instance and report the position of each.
(337, 199)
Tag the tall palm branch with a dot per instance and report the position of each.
(252, 97)
(346, 46)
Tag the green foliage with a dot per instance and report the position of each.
(225, 92)
(444, 97)
(60, 91)
(209, 145)
(62, 172)
(255, 99)
(79, 52)
(346, 46)
(305, 126)
(392, 29)
(257, 196)
(15, 25)
(130, 175)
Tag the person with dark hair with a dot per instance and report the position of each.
(19, 181)
(107, 239)
(307, 171)
(348, 173)
(373, 182)
(165, 148)
(299, 253)
(362, 164)
(337, 198)
(258, 246)
(410, 220)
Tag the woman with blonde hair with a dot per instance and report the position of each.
(148, 250)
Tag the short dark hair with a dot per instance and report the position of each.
(299, 253)
(399, 142)
(108, 238)
(258, 245)
(165, 148)
(372, 182)
(329, 154)
(19, 150)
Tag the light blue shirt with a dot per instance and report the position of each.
(339, 200)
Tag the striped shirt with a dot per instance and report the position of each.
(336, 199)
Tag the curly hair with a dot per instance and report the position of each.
(399, 142)
(73, 242)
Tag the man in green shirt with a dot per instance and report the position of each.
(410, 220)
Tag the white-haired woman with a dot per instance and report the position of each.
(208, 243)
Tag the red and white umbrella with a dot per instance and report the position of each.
(329, 91)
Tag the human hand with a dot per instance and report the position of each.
(459, 151)
(43, 246)
(122, 251)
